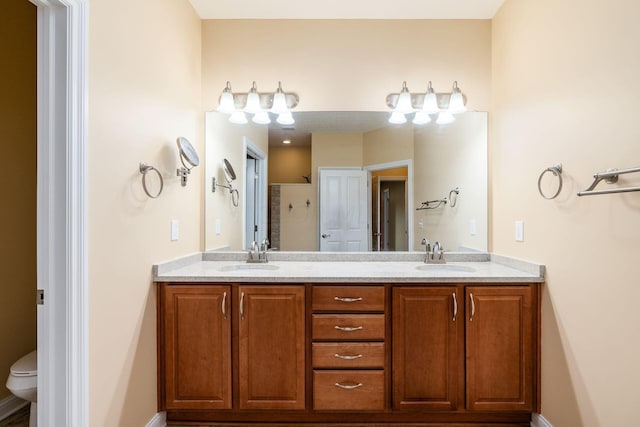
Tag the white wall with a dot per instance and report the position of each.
(565, 79)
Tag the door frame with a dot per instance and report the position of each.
(251, 149)
(409, 188)
(62, 219)
(382, 179)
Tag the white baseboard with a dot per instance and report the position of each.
(158, 420)
(10, 405)
(537, 420)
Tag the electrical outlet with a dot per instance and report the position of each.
(218, 226)
(472, 227)
(175, 229)
(519, 231)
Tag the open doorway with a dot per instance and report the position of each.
(390, 206)
(392, 214)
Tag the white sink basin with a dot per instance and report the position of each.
(249, 267)
(446, 268)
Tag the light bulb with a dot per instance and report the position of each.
(262, 118)
(456, 101)
(226, 104)
(403, 105)
(238, 117)
(445, 117)
(253, 101)
(279, 101)
(430, 105)
(397, 118)
(285, 119)
(421, 118)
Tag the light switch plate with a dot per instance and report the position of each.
(218, 226)
(472, 227)
(175, 229)
(519, 231)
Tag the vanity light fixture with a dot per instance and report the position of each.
(286, 141)
(426, 104)
(260, 104)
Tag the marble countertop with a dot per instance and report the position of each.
(355, 268)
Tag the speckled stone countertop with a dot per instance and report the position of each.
(327, 267)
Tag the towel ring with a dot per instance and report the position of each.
(556, 170)
(144, 168)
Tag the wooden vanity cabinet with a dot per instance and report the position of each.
(271, 347)
(201, 338)
(393, 354)
(501, 347)
(427, 329)
(194, 347)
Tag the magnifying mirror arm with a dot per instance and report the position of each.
(183, 172)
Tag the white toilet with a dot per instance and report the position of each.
(23, 383)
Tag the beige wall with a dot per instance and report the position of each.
(347, 65)
(447, 157)
(18, 186)
(289, 164)
(144, 92)
(226, 140)
(565, 79)
(387, 145)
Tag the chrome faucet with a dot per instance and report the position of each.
(258, 254)
(435, 256)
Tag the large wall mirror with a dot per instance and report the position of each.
(348, 181)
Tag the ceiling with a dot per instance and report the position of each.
(308, 122)
(346, 9)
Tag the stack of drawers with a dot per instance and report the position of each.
(348, 349)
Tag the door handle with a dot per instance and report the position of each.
(224, 306)
(324, 236)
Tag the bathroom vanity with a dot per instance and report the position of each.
(308, 339)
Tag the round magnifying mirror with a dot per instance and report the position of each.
(228, 171)
(187, 152)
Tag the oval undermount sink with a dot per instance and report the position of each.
(248, 267)
(451, 268)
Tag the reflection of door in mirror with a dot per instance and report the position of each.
(343, 216)
(255, 214)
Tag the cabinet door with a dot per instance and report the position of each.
(197, 347)
(271, 347)
(426, 347)
(499, 343)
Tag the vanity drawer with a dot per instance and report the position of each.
(348, 298)
(348, 327)
(347, 355)
(348, 390)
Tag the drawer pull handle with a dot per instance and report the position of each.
(224, 306)
(340, 356)
(348, 328)
(348, 387)
(341, 299)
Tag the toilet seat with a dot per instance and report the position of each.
(26, 366)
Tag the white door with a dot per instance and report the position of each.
(343, 210)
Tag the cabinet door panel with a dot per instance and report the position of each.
(500, 369)
(425, 348)
(197, 347)
(271, 347)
